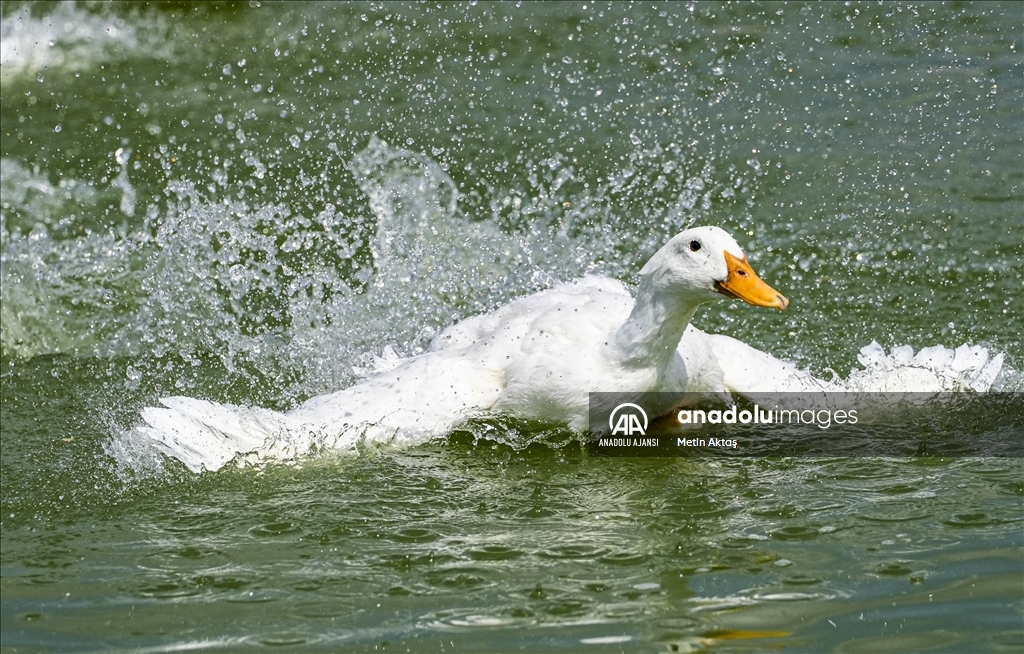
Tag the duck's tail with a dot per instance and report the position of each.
(206, 435)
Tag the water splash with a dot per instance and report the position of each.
(56, 288)
(66, 38)
(933, 369)
(262, 287)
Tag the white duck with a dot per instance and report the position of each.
(538, 357)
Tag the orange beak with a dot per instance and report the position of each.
(743, 283)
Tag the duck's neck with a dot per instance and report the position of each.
(651, 334)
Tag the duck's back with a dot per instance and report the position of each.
(590, 298)
(554, 348)
(534, 357)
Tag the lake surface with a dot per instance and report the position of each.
(248, 203)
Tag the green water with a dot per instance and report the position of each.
(247, 203)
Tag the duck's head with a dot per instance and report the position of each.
(703, 263)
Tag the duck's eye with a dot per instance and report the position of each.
(694, 246)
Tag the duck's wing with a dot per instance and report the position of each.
(408, 401)
(722, 364)
(747, 370)
(421, 399)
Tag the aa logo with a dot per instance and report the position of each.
(631, 420)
